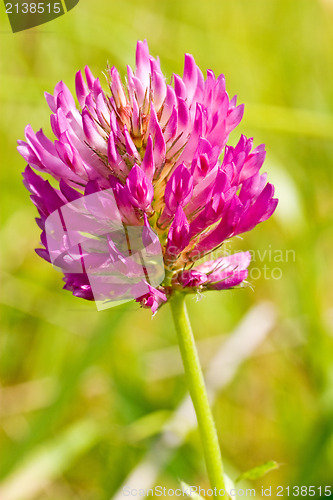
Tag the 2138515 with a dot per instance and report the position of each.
(33, 8)
(304, 491)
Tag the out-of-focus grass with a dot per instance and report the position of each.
(88, 370)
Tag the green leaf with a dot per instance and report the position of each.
(229, 483)
(190, 494)
(186, 489)
(259, 471)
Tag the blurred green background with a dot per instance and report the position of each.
(88, 398)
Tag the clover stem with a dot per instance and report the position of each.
(197, 389)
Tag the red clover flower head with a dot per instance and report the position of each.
(145, 156)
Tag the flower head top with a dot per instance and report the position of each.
(157, 146)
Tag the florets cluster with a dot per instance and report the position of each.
(158, 147)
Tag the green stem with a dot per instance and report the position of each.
(198, 394)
